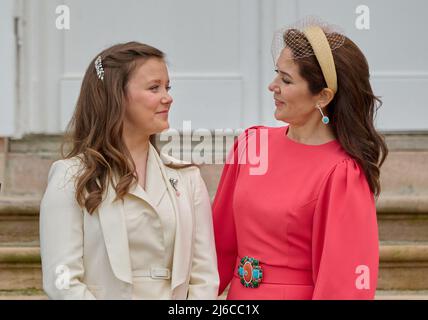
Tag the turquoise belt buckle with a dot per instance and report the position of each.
(250, 272)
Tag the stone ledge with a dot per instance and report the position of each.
(36, 294)
(389, 252)
(22, 205)
(403, 203)
(401, 295)
(25, 171)
(380, 295)
(13, 255)
(396, 140)
(412, 141)
(25, 294)
(404, 253)
(36, 143)
(403, 226)
(402, 267)
(386, 204)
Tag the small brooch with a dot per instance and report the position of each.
(174, 183)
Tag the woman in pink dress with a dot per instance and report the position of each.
(305, 228)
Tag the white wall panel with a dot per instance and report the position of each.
(8, 69)
(218, 54)
(396, 49)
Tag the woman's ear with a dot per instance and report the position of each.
(325, 97)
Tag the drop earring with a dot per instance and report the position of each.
(325, 119)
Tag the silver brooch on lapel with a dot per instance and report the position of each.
(174, 183)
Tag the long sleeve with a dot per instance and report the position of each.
(223, 216)
(345, 248)
(224, 226)
(61, 237)
(204, 279)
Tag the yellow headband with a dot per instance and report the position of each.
(322, 50)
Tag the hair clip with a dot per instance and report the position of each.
(99, 67)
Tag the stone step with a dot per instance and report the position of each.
(402, 295)
(403, 217)
(20, 268)
(380, 295)
(403, 266)
(29, 294)
(19, 221)
(24, 163)
(400, 218)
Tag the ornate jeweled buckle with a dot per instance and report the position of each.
(250, 272)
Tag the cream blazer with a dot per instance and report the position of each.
(87, 256)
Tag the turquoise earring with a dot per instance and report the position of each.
(325, 119)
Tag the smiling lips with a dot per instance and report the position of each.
(279, 103)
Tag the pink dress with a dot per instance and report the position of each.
(310, 221)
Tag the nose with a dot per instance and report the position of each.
(274, 87)
(167, 99)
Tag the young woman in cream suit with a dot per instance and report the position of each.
(118, 220)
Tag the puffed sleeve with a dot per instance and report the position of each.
(345, 247)
(61, 237)
(203, 283)
(223, 216)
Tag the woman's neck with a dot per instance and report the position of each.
(311, 133)
(138, 146)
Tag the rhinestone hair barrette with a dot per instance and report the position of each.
(99, 68)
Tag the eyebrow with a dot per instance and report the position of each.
(157, 81)
(284, 73)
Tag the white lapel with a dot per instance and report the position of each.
(113, 222)
(114, 229)
(115, 235)
(183, 242)
(155, 184)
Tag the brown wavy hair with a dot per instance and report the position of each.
(95, 130)
(353, 109)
